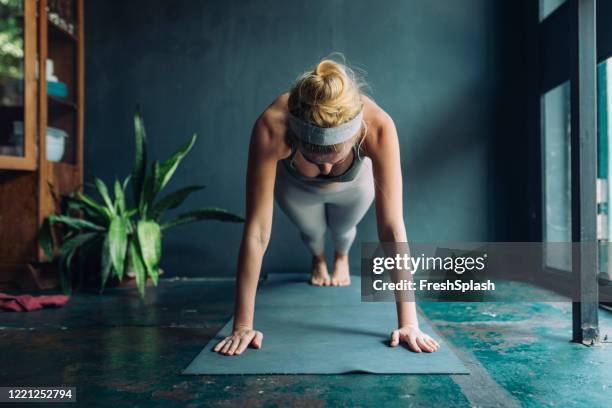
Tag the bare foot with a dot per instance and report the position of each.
(341, 275)
(319, 276)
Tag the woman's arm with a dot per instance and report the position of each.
(261, 174)
(384, 150)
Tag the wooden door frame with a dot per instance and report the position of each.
(49, 171)
(30, 92)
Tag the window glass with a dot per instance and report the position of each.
(11, 78)
(556, 145)
(548, 6)
(604, 174)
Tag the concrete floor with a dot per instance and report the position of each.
(119, 351)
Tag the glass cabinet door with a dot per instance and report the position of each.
(17, 84)
(62, 81)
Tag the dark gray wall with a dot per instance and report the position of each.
(211, 67)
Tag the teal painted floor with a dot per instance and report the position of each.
(119, 351)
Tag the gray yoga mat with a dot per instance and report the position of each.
(323, 330)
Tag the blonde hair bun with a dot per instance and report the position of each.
(328, 96)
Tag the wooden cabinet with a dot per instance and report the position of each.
(41, 126)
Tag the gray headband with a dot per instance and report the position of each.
(311, 133)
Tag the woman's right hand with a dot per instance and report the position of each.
(240, 339)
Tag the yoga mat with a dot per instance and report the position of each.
(323, 330)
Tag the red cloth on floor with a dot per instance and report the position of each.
(27, 303)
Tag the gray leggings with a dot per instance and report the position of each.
(312, 209)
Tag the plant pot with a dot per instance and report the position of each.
(92, 280)
(129, 277)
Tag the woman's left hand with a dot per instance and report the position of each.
(415, 339)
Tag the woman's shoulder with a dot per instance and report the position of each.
(271, 127)
(380, 125)
(375, 116)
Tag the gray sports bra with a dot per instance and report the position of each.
(348, 175)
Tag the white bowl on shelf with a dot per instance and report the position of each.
(56, 143)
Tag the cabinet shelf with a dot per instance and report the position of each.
(57, 32)
(59, 103)
(11, 107)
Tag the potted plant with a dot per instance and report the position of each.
(118, 236)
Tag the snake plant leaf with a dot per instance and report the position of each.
(45, 239)
(140, 160)
(73, 243)
(203, 214)
(149, 239)
(93, 204)
(172, 201)
(67, 251)
(103, 190)
(148, 190)
(106, 263)
(118, 240)
(119, 198)
(64, 275)
(168, 167)
(125, 183)
(74, 204)
(138, 266)
(73, 222)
